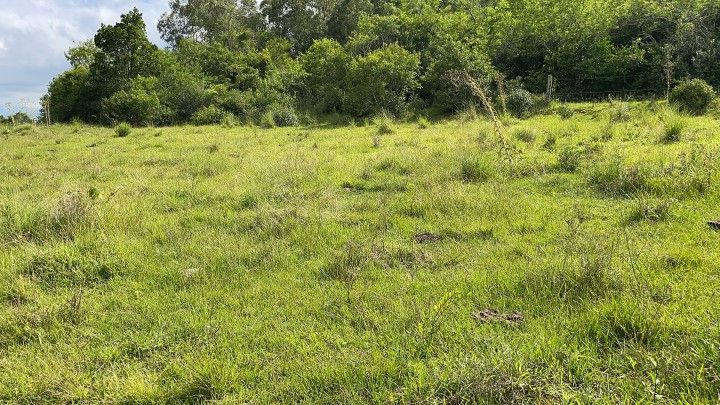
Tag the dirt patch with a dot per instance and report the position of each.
(423, 238)
(493, 315)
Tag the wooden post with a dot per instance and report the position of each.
(668, 78)
(668, 70)
(47, 111)
(550, 84)
(499, 79)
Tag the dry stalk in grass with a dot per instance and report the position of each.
(462, 78)
(500, 82)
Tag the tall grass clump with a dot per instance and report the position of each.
(423, 122)
(123, 130)
(569, 159)
(585, 267)
(612, 176)
(476, 169)
(72, 211)
(385, 124)
(623, 322)
(564, 111)
(673, 129)
(347, 264)
(649, 209)
(619, 112)
(524, 135)
(69, 266)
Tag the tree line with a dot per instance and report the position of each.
(268, 63)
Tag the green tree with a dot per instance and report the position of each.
(124, 53)
(300, 21)
(82, 54)
(226, 21)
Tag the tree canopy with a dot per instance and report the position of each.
(362, 57)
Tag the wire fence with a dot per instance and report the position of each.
(630, 94)
(23, 110)
(567, 91)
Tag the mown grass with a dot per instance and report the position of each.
(355, 264)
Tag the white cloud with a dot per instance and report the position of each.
(34, 35)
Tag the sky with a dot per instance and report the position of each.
(34, 35)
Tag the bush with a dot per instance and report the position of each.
(181, 92)
(520, 102)
(68, 95)
(285, 116)
(525, 135)
(383, 80)
(137, 105)
(692, 96)
(210, 115)
(123, 130)
(326, 64)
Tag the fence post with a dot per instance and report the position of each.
(47, 111)
(668, 78)
(550, 84)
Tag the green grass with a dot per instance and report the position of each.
(339, 265)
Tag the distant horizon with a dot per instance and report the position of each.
(35, 34)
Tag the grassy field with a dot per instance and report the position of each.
(371, 263)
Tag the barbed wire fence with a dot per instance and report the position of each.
(563, 91)
(23, 111)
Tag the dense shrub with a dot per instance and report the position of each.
(362, 57)
(692, 96)
(519, 102)
(123, 130)
(138, 105)
(210, 115)
(383, 80)
(68, 94)
(326, 65)
(181, 92)
(284, 116)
